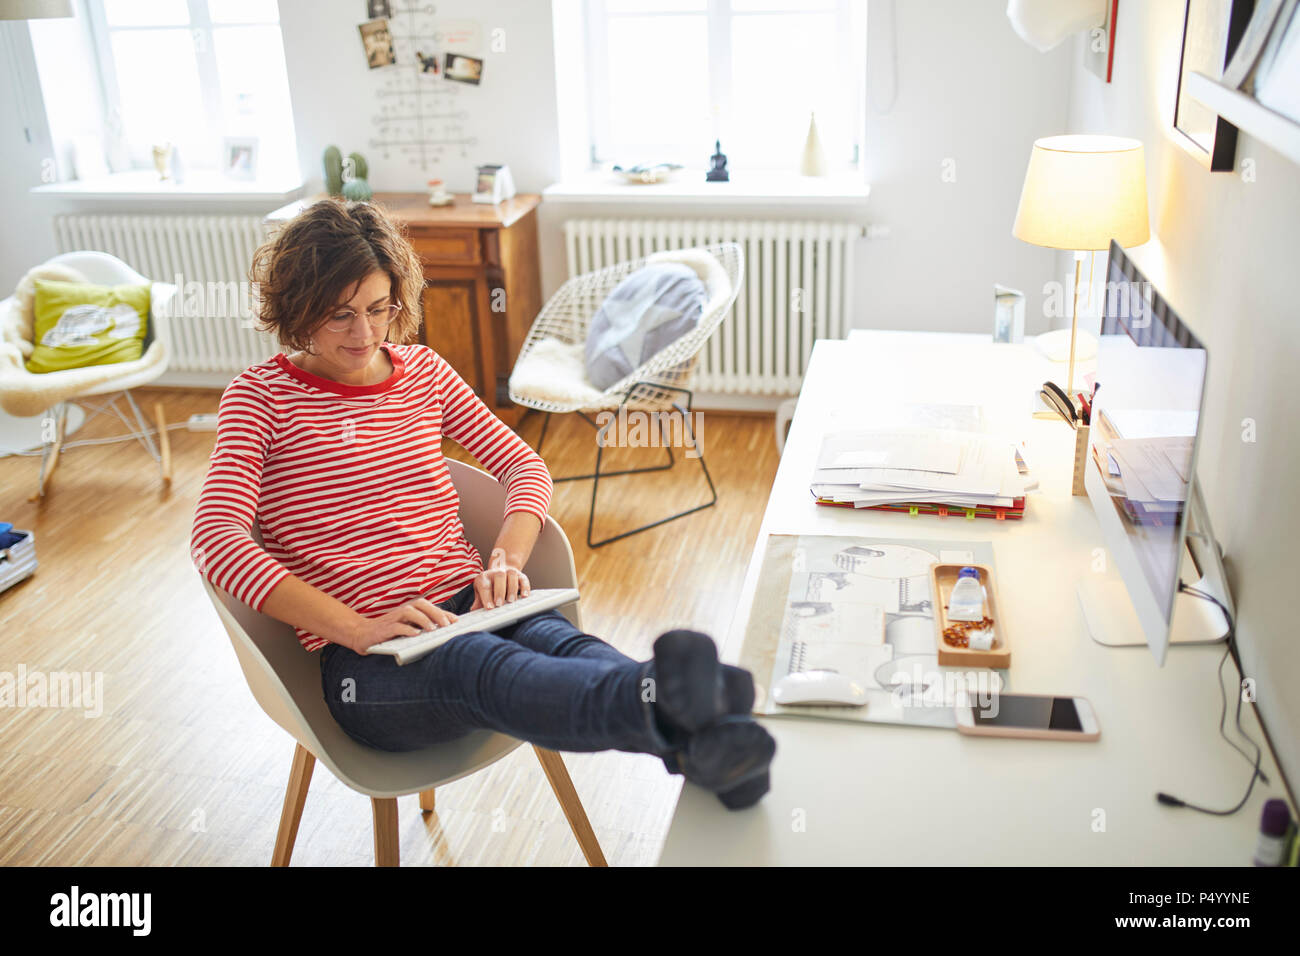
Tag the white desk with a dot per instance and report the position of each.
(867, 793)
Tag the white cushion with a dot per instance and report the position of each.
(554, 371)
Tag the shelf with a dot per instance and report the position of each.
(690, 187)
(199, 186)
(1248, 115)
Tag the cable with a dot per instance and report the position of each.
(1256, 774)
(1231, 647)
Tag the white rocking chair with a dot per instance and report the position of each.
(25, 394)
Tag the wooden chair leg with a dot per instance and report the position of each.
(386, 844)
(50, 457)
(558, 775)
(295, 796)
(164, 443)
(426, 800)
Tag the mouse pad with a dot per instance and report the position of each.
(862, 608)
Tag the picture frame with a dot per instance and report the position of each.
(494, 183)
(1212, 29)
(463, 69)
(377, 42)
(1099, 48)
(239, 157)
(1259, 91)
(430, 65)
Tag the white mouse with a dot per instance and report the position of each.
(819, 687)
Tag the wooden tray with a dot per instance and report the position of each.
(942, 578)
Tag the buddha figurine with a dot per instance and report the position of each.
(717, 165)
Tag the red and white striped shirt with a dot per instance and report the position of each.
(348, 484)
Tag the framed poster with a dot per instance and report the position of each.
(1099, 48)
(1211, 31)
(239, 157)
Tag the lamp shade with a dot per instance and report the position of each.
(1081, 192)
(34, 9)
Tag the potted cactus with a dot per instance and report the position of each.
(348, 178)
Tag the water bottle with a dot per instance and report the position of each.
(966, 602)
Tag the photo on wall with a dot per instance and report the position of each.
(378, 10)
(464, 69)
(378, 43)
(429, 65)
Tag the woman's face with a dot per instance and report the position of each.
(347, 341)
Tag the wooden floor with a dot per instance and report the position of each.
(183, 768)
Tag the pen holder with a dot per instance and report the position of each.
(1080, 459)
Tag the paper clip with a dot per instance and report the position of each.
(1002, 514)
(913, 510)
(970, 514)
(943, 512)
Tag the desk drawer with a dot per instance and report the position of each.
(456, 246)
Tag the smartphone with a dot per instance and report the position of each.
(1027, 715)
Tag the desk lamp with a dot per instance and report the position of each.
(1081, 192)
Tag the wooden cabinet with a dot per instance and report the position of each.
(482, 285)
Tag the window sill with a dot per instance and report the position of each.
(690, 186)
(199, 186)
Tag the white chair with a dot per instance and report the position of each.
(550, 373)
(285, 681)
(26, 394)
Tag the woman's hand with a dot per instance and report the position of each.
(500, 583)
(411, 618)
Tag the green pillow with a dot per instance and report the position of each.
(78, 324)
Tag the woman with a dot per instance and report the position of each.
(334, 450)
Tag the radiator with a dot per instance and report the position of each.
(207, 257)
(798, 287)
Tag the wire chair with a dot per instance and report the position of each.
(659, 385)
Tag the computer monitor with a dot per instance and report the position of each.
(1141, 478)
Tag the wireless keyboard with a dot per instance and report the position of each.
(408, 649)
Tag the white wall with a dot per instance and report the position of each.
(511, 113)
(971, 98)
(1224, 253)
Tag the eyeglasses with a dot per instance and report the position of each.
(378, 318)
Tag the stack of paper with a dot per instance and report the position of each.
(912, 468)
(1149, 475)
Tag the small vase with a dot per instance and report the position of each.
(814, 157)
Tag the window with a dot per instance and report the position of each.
(192, 72)
(668, 77)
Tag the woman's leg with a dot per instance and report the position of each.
(585, 701)
(553, 634)
(552, 685)
(548, 632)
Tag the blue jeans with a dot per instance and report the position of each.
(540, 680)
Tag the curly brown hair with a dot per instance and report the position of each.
(317, 259)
